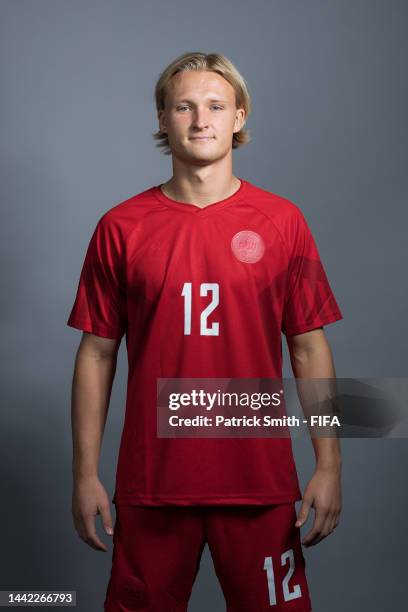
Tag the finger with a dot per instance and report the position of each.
(80, 527)
(319, 521)
(91, 537)
(325, 530)
(303, 513)
(336, 521)
(106, 519)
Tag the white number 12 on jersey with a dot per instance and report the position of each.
(287, 594)
(204, 289)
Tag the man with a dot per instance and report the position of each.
(202, 273)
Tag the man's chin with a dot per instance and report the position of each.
(196, 156)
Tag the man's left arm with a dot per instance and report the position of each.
(311, 357)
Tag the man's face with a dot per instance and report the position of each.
(200, 116)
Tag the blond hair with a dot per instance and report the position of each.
(212, 62)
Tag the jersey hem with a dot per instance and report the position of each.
(261, 500)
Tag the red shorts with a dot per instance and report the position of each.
(256, 551)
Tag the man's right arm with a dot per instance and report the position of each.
(94, 371)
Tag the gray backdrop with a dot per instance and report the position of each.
(328, 82)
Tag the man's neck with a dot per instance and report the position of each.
(194, 190)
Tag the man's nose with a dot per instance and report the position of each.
(200, 119)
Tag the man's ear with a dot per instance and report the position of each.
(161, 119)
(240, 120)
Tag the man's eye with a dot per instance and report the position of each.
(216, 106)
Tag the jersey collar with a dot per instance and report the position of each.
(194, 209)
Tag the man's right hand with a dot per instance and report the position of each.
(90, 498)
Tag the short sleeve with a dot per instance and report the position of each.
(100, 303)
(309, 302)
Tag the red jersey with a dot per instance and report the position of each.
(201, 292)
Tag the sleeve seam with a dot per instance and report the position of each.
(335, 316)
(77, 322)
